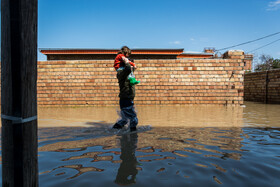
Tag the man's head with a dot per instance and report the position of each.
(125, 51)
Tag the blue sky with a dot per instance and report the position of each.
(188, 24)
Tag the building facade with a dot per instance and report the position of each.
(171, 78)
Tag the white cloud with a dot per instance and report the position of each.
(273, 5)
(192, 39)
(204, 39)
(175, 42)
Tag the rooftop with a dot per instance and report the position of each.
(109, 51)
(138, 53)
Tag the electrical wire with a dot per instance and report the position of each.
(264, 45)
(249, 41)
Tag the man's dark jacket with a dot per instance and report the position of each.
(127, 91)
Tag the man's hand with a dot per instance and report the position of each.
(125, 60)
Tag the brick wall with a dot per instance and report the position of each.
(262, 86)
(248, 62)
(177, 81)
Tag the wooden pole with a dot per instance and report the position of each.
(18, 92)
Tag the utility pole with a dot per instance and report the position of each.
(18, 92)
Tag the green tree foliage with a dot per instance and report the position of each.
(267, 63)
(276, 64)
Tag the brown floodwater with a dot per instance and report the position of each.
(157, 116)
(174, 146)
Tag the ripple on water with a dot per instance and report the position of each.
(163, 156)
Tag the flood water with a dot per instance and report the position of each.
(174, 146)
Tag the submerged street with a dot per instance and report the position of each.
(174, 146)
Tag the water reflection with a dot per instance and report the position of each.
(186, 146)
(257, 114)
(128, 168)
(81, 170)
(200, 156)
(180, 147)
(225, 142)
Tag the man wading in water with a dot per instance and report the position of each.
(127, 93)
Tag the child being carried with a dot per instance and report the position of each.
(120, 60)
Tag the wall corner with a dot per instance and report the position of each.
(234, 54)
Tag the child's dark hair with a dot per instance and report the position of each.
(125, 51)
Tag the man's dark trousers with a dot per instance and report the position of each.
(127, 113)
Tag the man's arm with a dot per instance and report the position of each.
(125, 72)
(126, 60)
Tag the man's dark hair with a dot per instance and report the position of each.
(125, 51)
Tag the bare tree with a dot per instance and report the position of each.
(267, 63)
